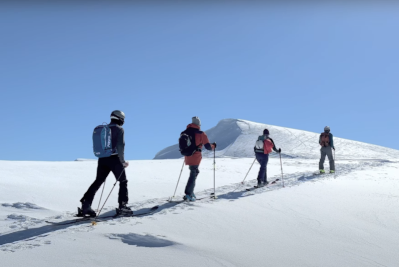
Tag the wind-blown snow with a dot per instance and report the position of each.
(237, 139)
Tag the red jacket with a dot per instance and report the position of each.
(201, 139)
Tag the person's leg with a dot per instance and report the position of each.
(262, 170)
(191, 180)
(195, 180)
(102, 173)
(322, 158)
(330, 158)
(265, 161)
(119, 171)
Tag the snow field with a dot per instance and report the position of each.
(315, 221)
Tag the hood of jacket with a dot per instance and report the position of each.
(195, 126)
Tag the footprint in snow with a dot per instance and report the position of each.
(22, 205)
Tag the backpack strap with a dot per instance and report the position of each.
(193, 131)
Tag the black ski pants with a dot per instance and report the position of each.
(263, 160)
(104, 167)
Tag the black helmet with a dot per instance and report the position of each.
(118, 115)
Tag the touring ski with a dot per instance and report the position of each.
(256, 187)
(103, 218)
(197, 199)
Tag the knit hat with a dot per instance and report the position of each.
(196, 121)
(266, 131)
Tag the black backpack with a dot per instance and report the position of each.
(187, 145)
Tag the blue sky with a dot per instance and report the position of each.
(64, 68)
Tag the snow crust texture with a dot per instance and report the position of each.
(236, 138)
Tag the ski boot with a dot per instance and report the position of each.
(322, 171)
(332, 171)
(188, 198)
(124, 210)
(86, 210)
(193, 196)
(261, 184)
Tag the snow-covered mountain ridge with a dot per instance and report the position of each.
(236, 138)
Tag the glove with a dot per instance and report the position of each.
(214, 144)
(279, 150)
(125, 164)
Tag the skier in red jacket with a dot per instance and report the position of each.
(201, 139)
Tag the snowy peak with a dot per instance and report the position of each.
(224, 134)
(236, 138)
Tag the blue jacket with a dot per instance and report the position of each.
(331, 140)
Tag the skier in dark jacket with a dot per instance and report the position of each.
(327, 144)
(115, 163)
(263, 148)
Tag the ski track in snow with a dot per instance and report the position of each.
(29, 233)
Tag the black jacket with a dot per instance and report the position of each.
(118, 140)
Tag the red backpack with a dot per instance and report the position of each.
(324, 139)
(267, 146)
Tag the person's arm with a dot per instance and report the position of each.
(274, 146)
(120, 145)
(332, 141)
(206, 142)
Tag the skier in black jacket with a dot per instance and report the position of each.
(115, 163)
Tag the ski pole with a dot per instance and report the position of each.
(178, 180)
(248, 171)
(335, 171)
(214, 173)
(117, 180)
(101, 194)
(282, 176)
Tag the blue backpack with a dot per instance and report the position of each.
(102, 141)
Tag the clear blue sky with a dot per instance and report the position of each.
(65, 67)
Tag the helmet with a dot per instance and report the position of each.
(327, 128)
(118, 115)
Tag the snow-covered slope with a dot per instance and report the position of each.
(346, 219)
(349, 219)
(236, 138)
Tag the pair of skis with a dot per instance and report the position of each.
(211, 196)
(256, 187)
(104, 218)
